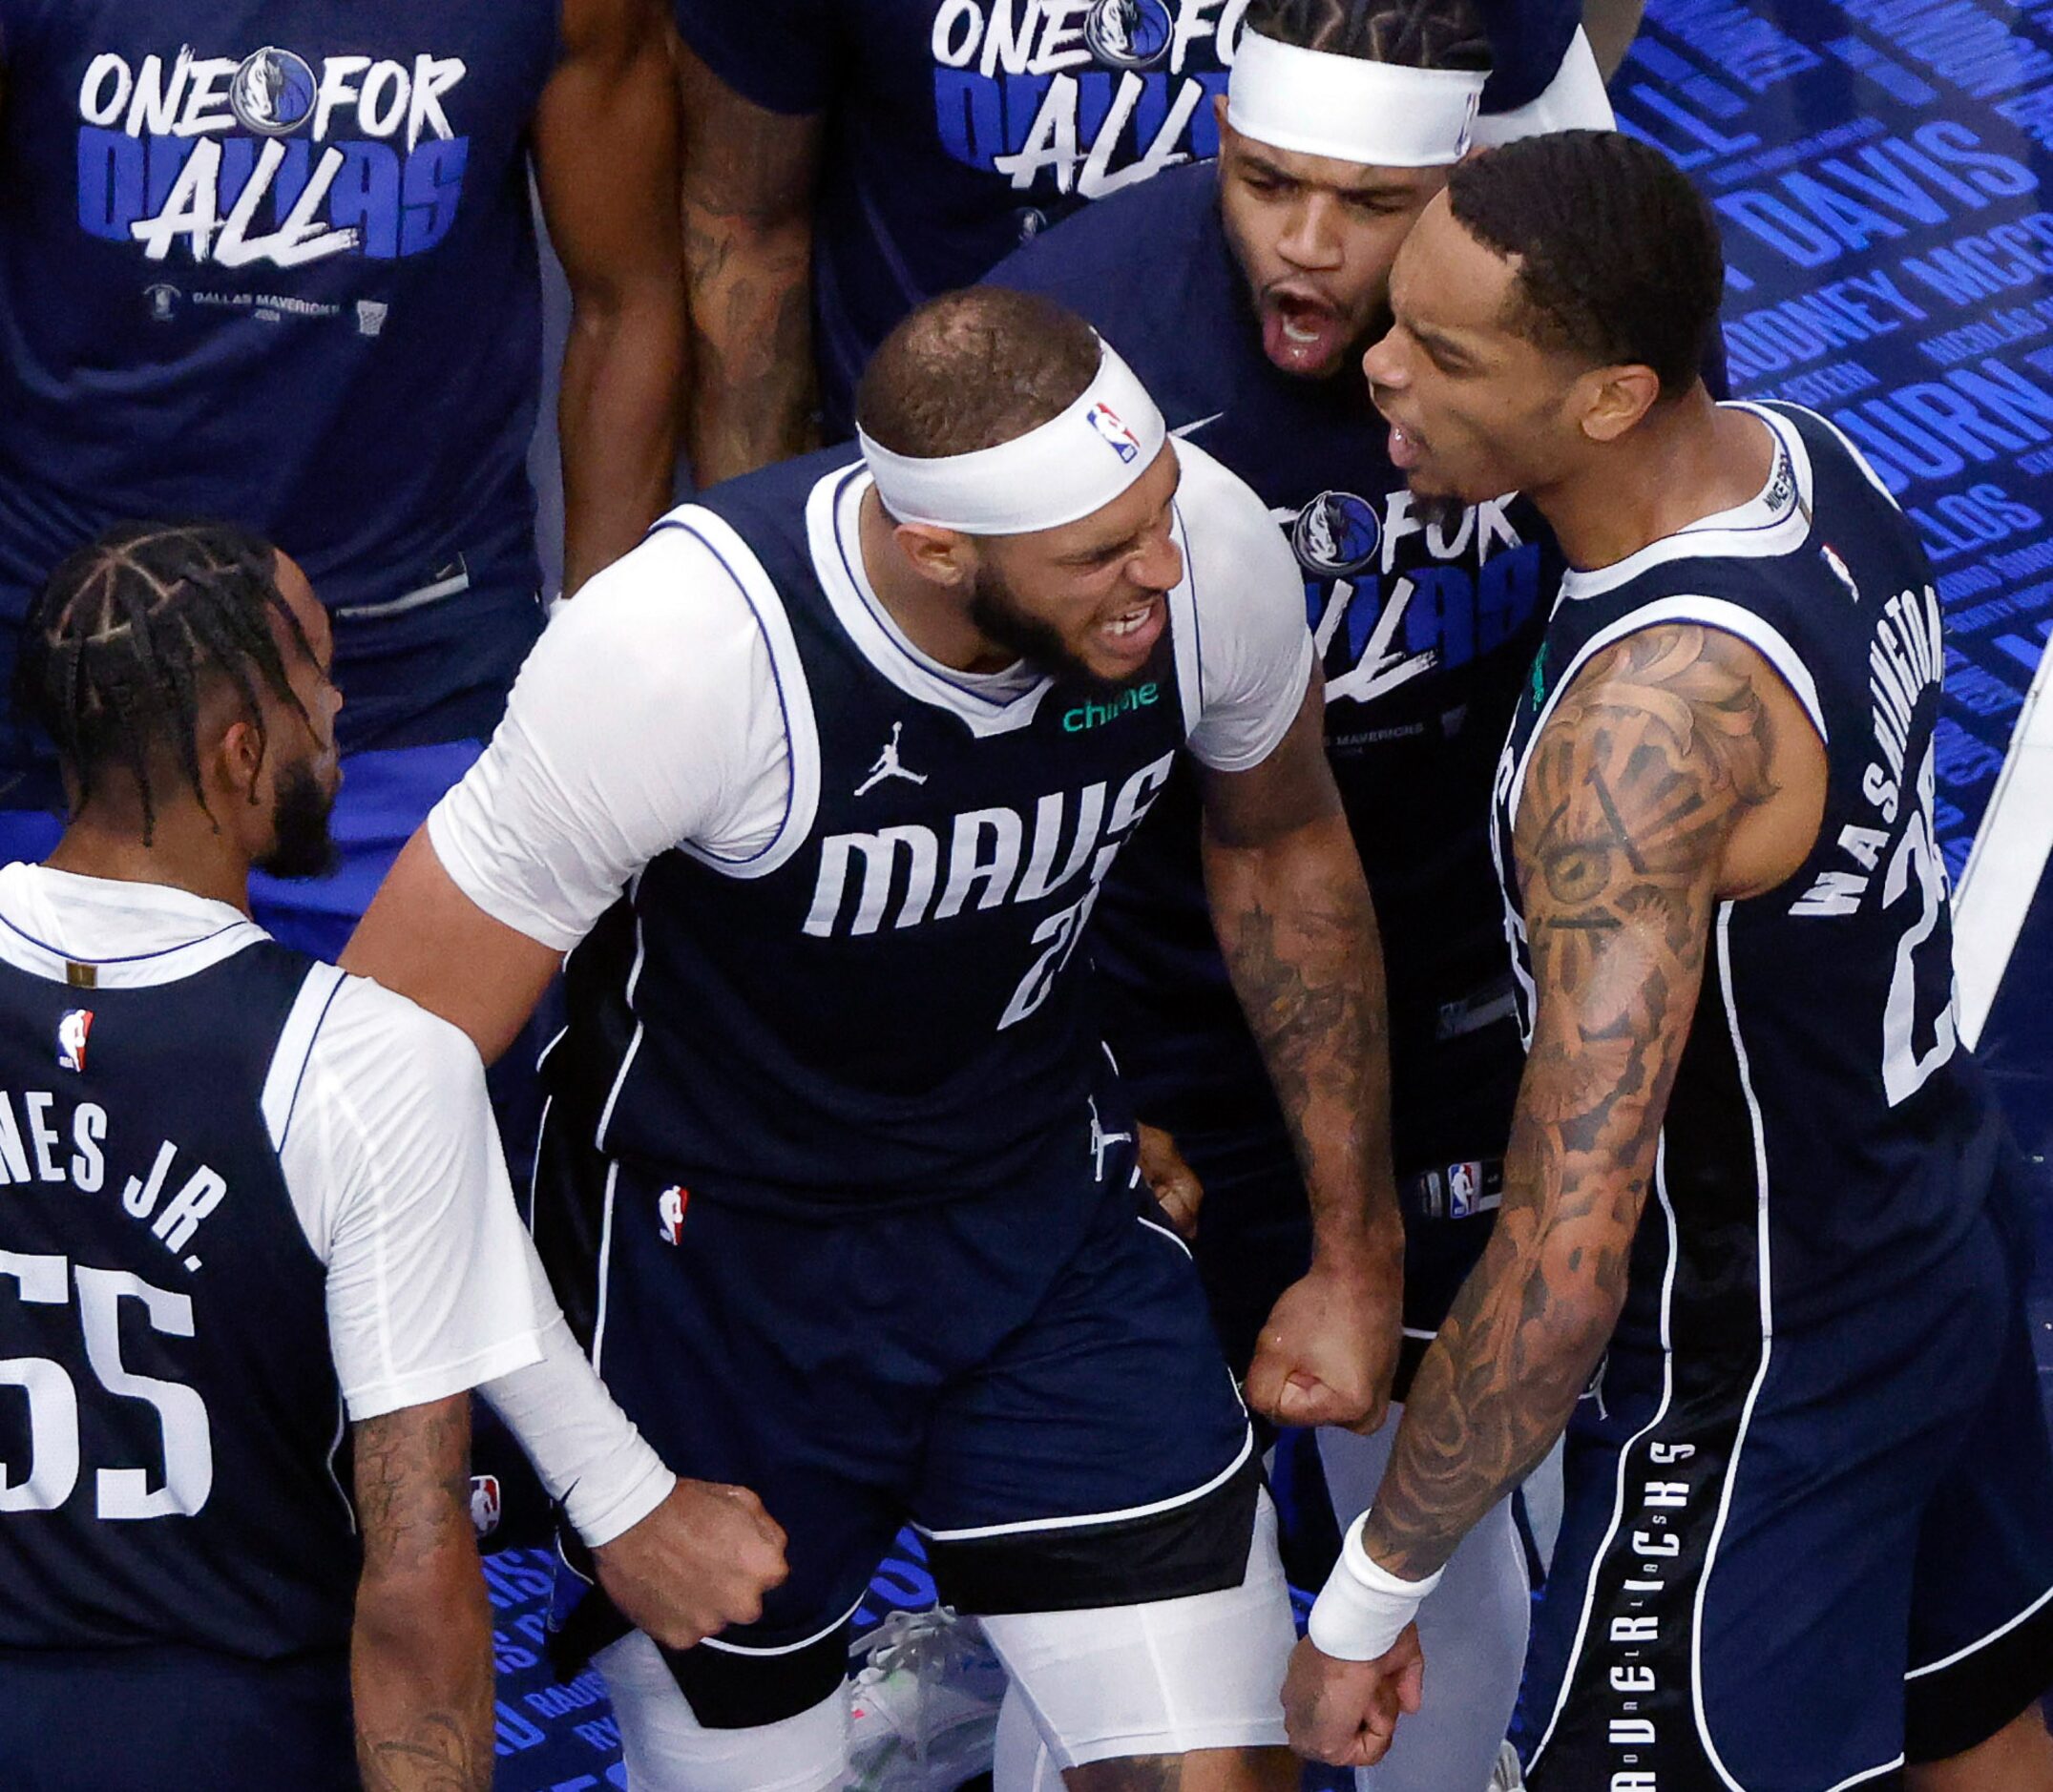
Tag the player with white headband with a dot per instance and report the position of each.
(818, 788)
(1244, 295)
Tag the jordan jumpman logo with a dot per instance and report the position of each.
(887, 767)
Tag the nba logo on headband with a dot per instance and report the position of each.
(1102, 418)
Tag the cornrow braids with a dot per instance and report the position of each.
(1405, 33)
(120, 645)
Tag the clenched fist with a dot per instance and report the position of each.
(701, 1561)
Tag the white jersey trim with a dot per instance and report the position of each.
(1187, 638)
(141, 970)
(1734, 534)
(831, 529)
(281, 1084)
(794, 697)
(1712, 613)
(1982, 1642)
(791, 1648)
(1029, 1527)
(1765, 1275)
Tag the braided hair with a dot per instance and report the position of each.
(1405, 33)
(124, 640)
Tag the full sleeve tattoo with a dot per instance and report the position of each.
(1634, 787)
(1298, 931)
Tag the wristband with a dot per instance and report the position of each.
(1364, 1608)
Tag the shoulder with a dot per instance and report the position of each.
(1661, 737)
(383, 1054)
(682, 594)
(1224, 522)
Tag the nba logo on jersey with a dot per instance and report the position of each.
(73, 1027)
(484, 1504)
(670, 1207)
(1464, 1185)
(1118, 436)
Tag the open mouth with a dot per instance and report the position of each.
(1131, 634)
(1301, 333)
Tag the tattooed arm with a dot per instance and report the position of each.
(1658, 757)
(1293, 916)
(748, 193)
(420, 1658)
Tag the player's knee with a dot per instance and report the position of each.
(666, 1748)
(1117, 1686)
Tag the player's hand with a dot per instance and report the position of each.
(1328, 1351)
(1346, 1713)
(1174, 1182)
(701, 1561)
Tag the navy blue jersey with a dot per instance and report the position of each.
(1427, 627)
(169, 1413)
(273, 261)
(880, 1007)
(958, 129)
(1827, 1139)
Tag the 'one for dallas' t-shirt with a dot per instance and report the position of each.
(958, 129)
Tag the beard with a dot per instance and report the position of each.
(1000, 620)
(301, 845)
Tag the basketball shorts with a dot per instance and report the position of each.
(1792, 1568)
(174, 1719)
(1027, 1375)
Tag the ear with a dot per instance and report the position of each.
(1612, 400)
(941, 555)
(237, 760)
(1219, 113)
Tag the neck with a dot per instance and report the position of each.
(185, 852)
(1681, 462)
(930, 615)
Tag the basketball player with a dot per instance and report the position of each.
(1244, 295)
(250, 1196)
(277, 263)
(847, 158)
(870, 1235)
(1755, 1184)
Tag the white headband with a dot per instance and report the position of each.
(1064, 468)
(1574, 100)
(1371, 112)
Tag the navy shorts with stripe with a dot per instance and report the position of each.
(1027, 1375)
(1792, 1575)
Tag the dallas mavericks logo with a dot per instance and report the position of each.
(1118, 437)
(1336, 534)
(73, 1027)
(273, 91)
(1128, 33)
